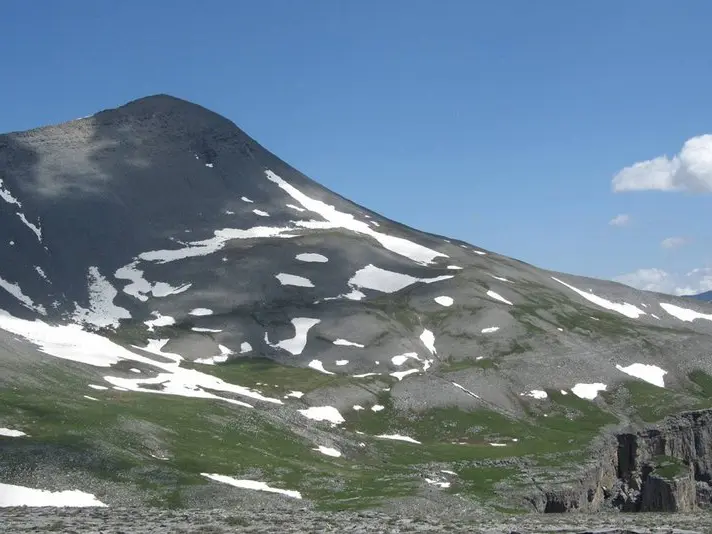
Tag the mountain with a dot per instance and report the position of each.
(706, 296)
(186, 320)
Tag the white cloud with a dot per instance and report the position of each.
(673, 242)
(620, 220)
(690, 170)
(696, 281)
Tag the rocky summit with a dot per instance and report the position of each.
(186, 321)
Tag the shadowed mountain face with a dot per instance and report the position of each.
(166, 282)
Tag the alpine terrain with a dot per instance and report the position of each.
(188, 321)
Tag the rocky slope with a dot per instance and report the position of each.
(186, 320)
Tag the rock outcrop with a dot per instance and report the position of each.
(662, 468)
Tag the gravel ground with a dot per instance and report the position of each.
(143, 521)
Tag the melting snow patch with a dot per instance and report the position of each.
(297, 208)
(87, 397)
(428, 339)
(588, 391)
(377, 408)
(372, 277)
(200, 312)
(7, 196)
(624, 309)
(398, 437)
(498, 444)
(293, 280)
(400, 375)
(342, 362)
(102, 310)
(8, 433)
(245, 347)
(222, 358)
(296, 345)
(499, 297)
(41, 272)
(364, 375)
(655, 316)
(402, 358)
(684, 314)
(26, 301)
(454, 268)
(438, 483)
(311, 257)
(35, 228)
(490, 329)
(564, 392)
(500, 278)
(209, 165)
(337, 219)
(22, 496)
(251, 485)
(358, 408)
(260, 213)
(650, 373)
(444, 301)
(295, 394)
(160, 320)
(537, 394)
(328, 451)
(448, 472)
(319, 366)
(465, 390)
(245, 199)
(205, 330)
(481, 253)
(346, 343)
(323, 413)
(139, 287)
(97, 387)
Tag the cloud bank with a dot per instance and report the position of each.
(690, 170)
(696, 281)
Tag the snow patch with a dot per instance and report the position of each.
(428, 339)
(626, 309)
(295, 394)
(11, 496)
(684, 314)
(497, 296)
(200, 312)
(444, 301)
(16, 291)
(319, 366)
(377, 408)
(311, 257)
(399, 437)
(538, 394)
(296, 345)
(293, 280)
(328, 451)
(402, 358)
(588, 391)
(205, 330)
(260, 213)
(372, 277)
(338, 219)
(490, 329)
(400, 375)
(341, 363)
(323, 413)
(346, 343)
(102, 311)
(251, 485)
(650, 373)
(9, 433)
(245, 199)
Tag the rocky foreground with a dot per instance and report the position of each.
(140, 521)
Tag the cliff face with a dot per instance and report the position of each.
(662, 468)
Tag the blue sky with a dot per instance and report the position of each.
(502, 123)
